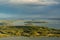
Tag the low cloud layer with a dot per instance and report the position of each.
(16, 2)
(29, 8)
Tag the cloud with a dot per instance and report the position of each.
(29, 8)
(19, 2)
(31, 12)
(44, 2)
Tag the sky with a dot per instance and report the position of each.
(18, 9)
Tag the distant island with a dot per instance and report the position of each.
(28, 31)
(54, 18)
(35, 22)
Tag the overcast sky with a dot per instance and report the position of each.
(29, 9)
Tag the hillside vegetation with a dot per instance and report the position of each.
(28, 31)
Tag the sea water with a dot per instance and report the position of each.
(30, 38)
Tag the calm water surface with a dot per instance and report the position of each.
(27, 38)
(50, 24)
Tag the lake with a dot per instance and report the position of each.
(31, 38)
(50, 24)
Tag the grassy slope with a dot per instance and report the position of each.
(28, 31)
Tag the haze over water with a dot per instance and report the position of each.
(50, 22)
